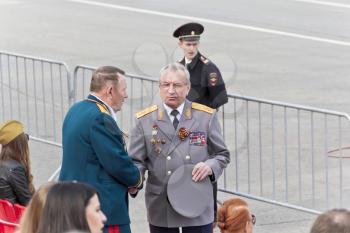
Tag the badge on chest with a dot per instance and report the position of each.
(197, 138)
(155, 141)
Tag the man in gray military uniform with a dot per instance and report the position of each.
(172, 134)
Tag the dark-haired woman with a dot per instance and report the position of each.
(72, 206)
(16, 180)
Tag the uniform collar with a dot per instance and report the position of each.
(110, 110)
(186, 111)
(187, 61)
(169, 110)
(193, 63)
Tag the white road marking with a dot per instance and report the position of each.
(221, 23)
(335, 4)
(9, 2)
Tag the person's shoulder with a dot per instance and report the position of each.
(97, 105)
(12, 165)
(202, 108)
(205, 60)
(146, 111)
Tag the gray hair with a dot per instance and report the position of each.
(102, 75)
(332, 221)
(175, 67)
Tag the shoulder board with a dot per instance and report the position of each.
(102, 108)
(146, 111)
(203, 108)
(204, 60)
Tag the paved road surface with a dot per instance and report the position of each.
(294, 50)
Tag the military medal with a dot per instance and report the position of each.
(154, 130)
(156, 141)
(197, 138)
(158, 150)
(183, 133)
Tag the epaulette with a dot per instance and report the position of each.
(203, 108)
(204, 60)
(100, 106)
(146, 111)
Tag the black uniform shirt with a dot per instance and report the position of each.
(207, 85)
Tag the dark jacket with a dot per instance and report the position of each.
(94, 153)
(207, 85)
(14, 183)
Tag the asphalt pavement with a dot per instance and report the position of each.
(294, 51)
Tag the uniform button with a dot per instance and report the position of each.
(169, 172)
(168, 158)
(188, 157)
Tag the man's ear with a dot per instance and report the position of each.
(109, 90)
(179, 42)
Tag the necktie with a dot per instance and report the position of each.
(175, 121)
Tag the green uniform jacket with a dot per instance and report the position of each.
(94, 153)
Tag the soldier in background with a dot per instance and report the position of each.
(207, 85)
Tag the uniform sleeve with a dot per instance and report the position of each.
(138, 150)
(216, 86)
(108, 143)
(219, 156)
(19, 184)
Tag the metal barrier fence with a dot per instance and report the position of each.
(34, 91)
(284, 154)
(281, 153)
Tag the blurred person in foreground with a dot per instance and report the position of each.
(332, 221)
(234, 216)
(172, 135)
(30, 219)
(16, 179)
(71, 206)
(94, 150)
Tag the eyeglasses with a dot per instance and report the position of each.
(176, 86)
(27, 135)
(253, 219)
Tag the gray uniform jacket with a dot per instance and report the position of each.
(155, 146)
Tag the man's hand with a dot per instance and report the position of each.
(201, 171)
(133, 191)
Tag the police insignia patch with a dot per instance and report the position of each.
(213, 79)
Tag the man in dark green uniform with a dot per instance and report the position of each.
(207, 85)
(94, 150)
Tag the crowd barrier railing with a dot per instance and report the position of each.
(34, 91)
(289, 155)
(284, 154)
